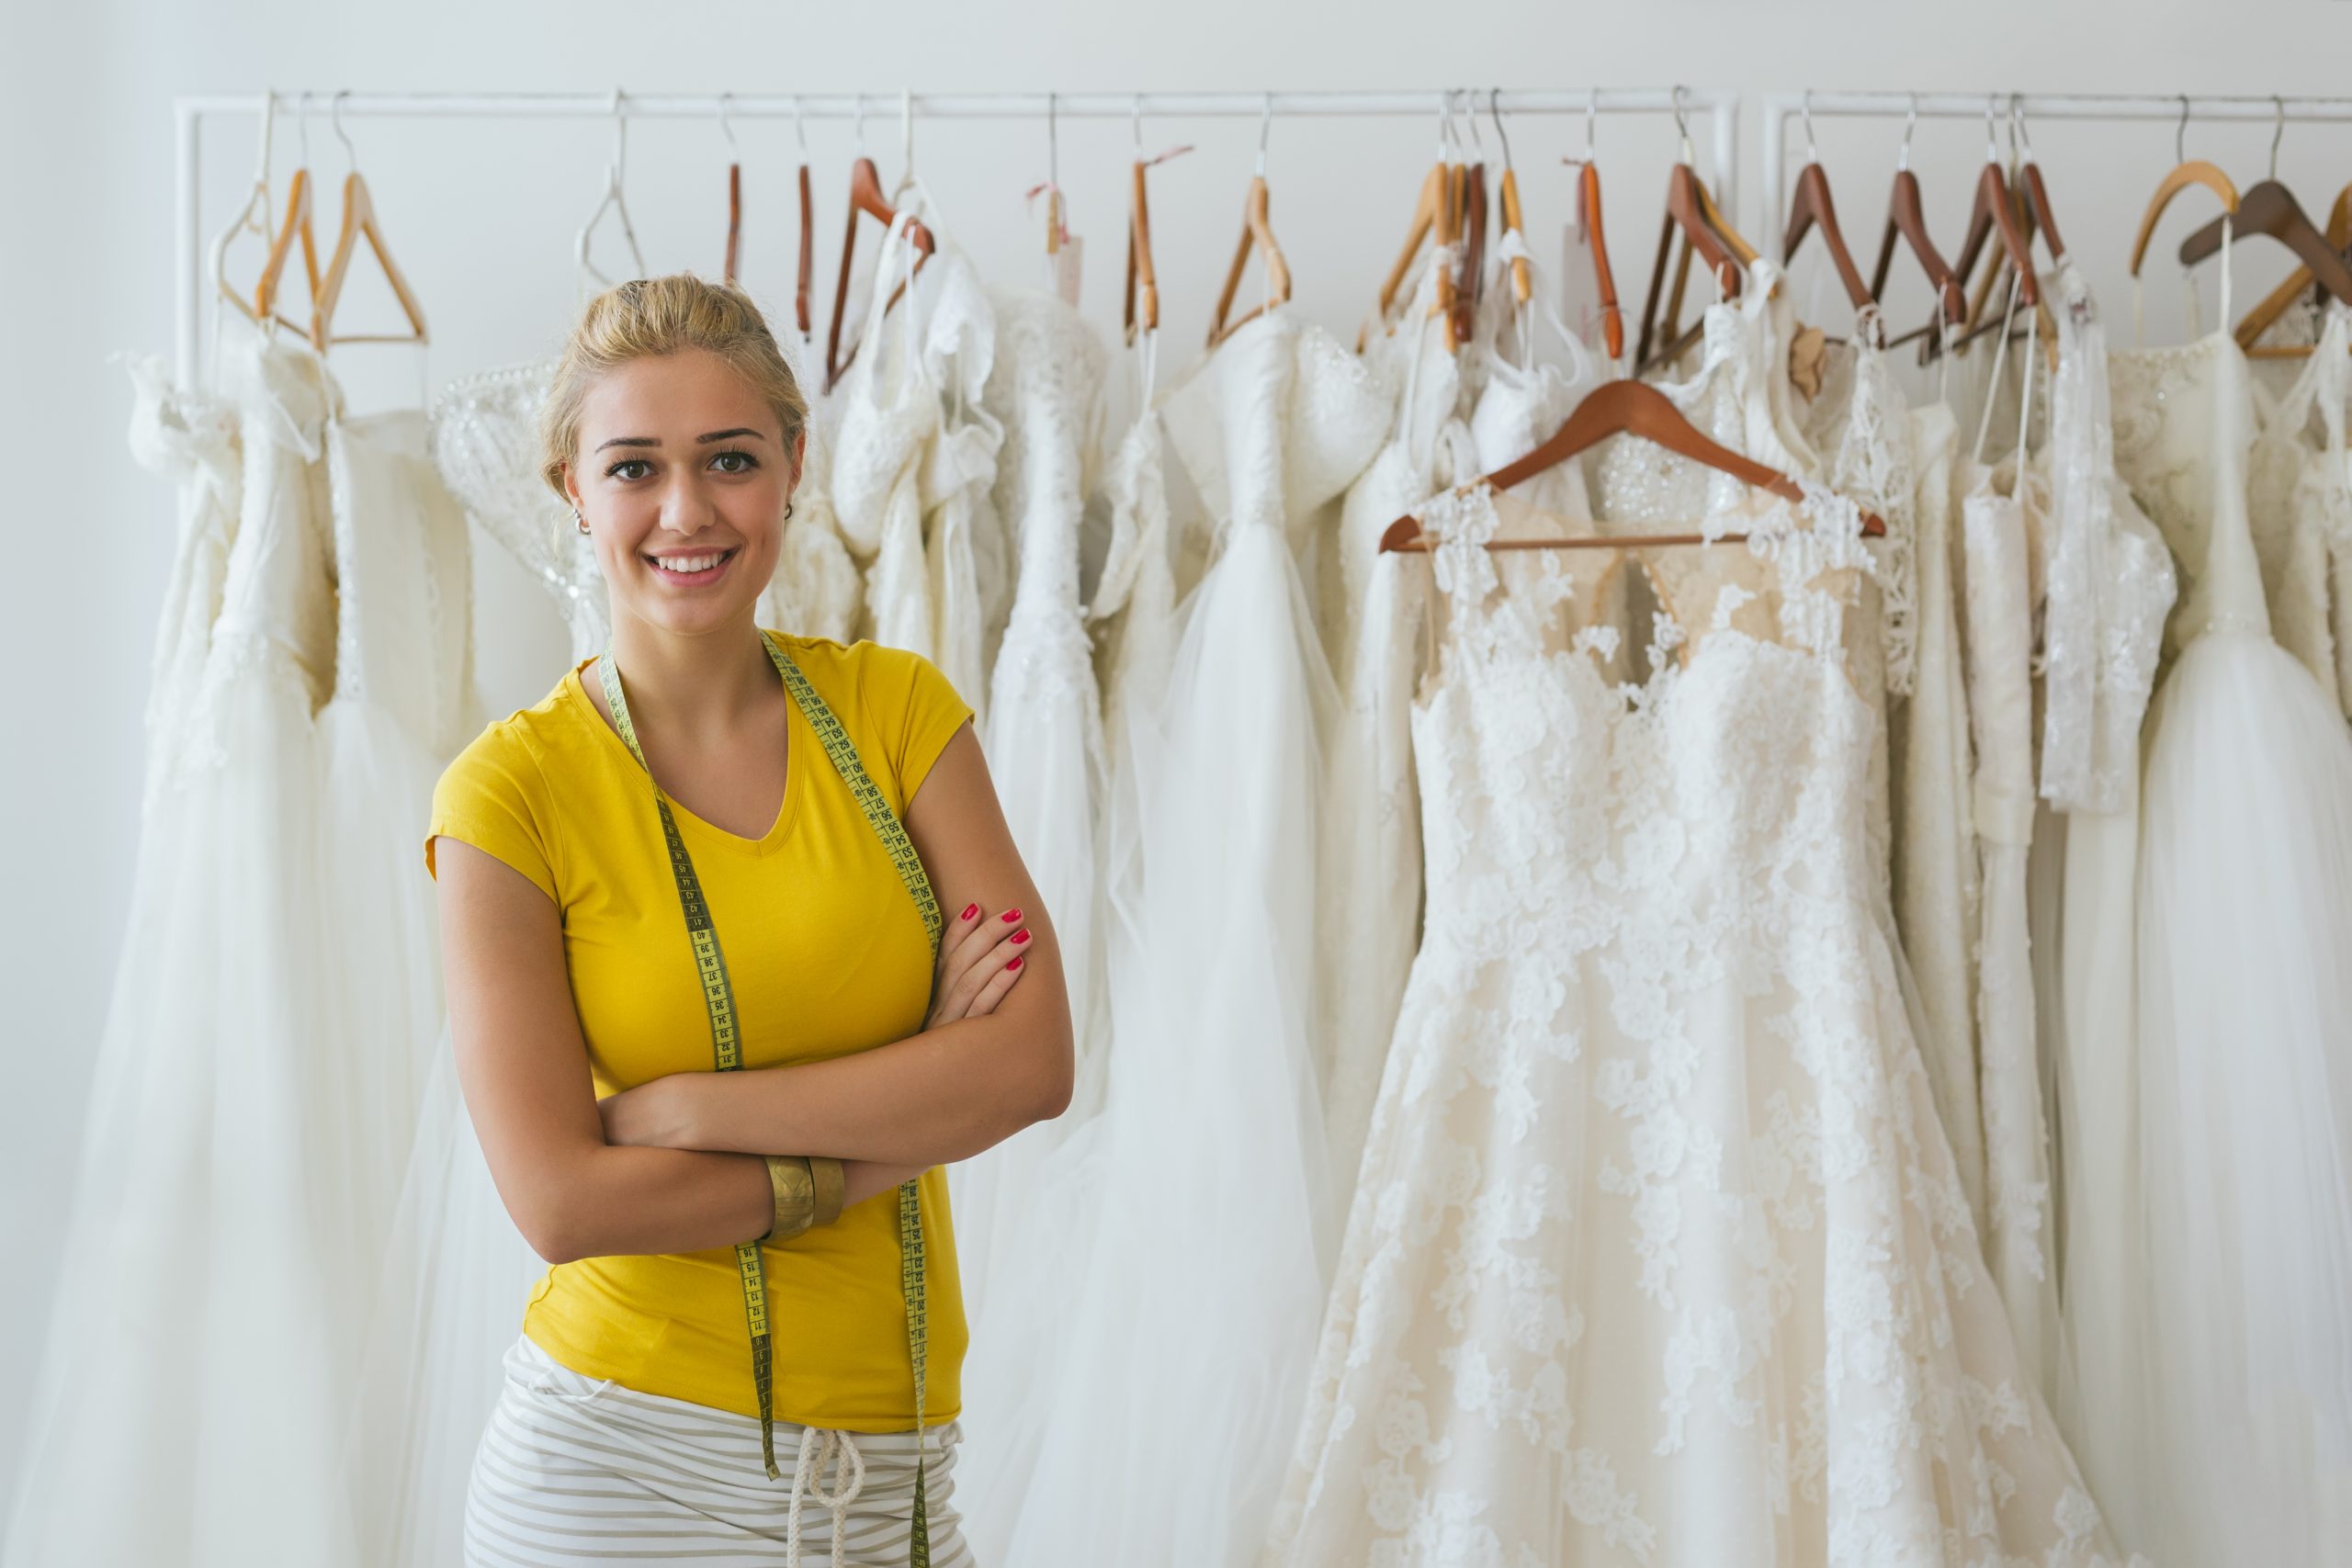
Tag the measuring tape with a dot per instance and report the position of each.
(726, 1045)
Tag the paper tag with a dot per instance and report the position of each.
(1068, 265)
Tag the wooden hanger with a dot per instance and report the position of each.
(2182, 176)
(2269, 209)
(734, 195)
(1522, 287)
(1257, 230)
(1622, 407)
(2029, 176)
(1142, 311)
(359, 221)
(1432, 213)
(2280, 301)
(1462, 327)
(1703, 229)
(804, 270)
(1613, 317)
(1906, 217)
(296, 226)
(1811, 209)
(864, 197)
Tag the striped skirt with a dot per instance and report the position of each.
(576, 1470)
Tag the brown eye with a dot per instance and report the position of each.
(615, 471)
(745, 458)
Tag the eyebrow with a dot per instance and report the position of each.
(700, 440)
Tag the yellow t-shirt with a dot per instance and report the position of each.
(827, 955)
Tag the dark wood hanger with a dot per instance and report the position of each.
(1472, 290)
(2269, 209)
(1613, 315)
(805, 272)
(1690, 214)
(864, 196)
(1622, 407)
(2281, 299)
(360, 223)
(1810, 210)
(734, 218)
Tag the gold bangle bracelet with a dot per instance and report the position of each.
(831, 1188)
(794, 1189)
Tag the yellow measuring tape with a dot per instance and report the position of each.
(726, 1045)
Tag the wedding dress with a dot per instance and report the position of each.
(1658, 1255)
(2110, 587)
(1043, 742)
(1182, 1349)
(2241, 1302)
(915, 460)
(205, 1312)
(2301, 511)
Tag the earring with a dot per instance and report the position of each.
(787, 512)
(578, 522)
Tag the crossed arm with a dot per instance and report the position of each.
(674, 1165)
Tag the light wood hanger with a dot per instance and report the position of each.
(1613, 316)
(359, 221)
(2269, 209)
(1811, 209)
(1432, 211)
(864, 197)
(1622, 407)
(297, 225)
(1906, 217)
(1141, 314)
(1522, 287)
(1257, 230)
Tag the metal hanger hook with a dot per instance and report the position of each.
(302, 128)
(2018, 127)
(1265, 130)
(2180, 133)
(724, 123)
(1134, 124)
(1992, 136)
(1052, 145)
(1591, 114)
(857, 115)
(1469, 113)
(1682, 125)
(907, 131)
(620, 140)
(799, 128)
(1910, 124)
(269, 127)
(2277, 130)
(1495, 110)
(335, 118)
(1812, 152)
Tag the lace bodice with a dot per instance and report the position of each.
(485, 441)
(2183, 421)
(1275, 422)
(2302, 509)
(2109, 580)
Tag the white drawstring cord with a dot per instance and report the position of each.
(818, 1445)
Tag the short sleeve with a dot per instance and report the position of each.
(494, 796)
(915, 710)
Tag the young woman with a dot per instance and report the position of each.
(739, 953)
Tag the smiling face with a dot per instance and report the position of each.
(682, 474)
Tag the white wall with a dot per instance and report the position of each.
(482, 216)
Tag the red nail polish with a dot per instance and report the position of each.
(969, 911)
(1019, 937)
(1014, 964)
(1010, 916)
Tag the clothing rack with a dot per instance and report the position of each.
(190, 112)
(1779, 108)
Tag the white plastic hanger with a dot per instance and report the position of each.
(613, 202)
(253, 218)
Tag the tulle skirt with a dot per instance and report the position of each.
(2244, 984)
(1174, 1358)
(209, 1303)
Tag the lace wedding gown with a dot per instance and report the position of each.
(1182, 1348)
(186, 1405)
(1044, 740)
(2239, 1301)
(1658, 1255)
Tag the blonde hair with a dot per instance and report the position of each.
(647, 317)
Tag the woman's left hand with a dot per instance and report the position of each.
(651, 1115)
